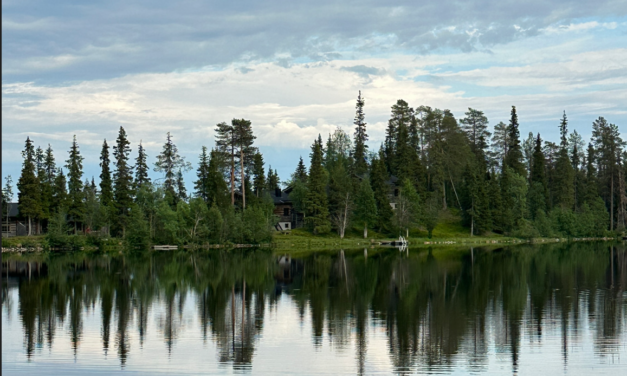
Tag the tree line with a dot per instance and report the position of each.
(429, 162)
(129, 205)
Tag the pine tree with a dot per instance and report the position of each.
(141, 168)
(365, 206)
(564, 177)
(361, 149)
(514, 156)
(475, 125)
(608, 144)
(29, 193)
(122, 180)
(226, 143)
(245, 138)
(400, 119)
(500, 145)
(317, 212)
(75, 184)
(259, 178)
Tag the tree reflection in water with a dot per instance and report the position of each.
(436, 306)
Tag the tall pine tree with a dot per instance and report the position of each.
(317, 212)
(29, 194)
(141, 168)
(360, 149)
(122, 180)
(514, 156)
(74, 164)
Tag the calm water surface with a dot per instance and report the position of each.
(550, 309)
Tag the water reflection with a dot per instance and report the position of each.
(439, 310)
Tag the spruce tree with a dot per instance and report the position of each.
(317, 212)
(47, 187)
(7, 197)
(272, 182)
(259, 175)
(301, 171)
(538, 197)
(106, 184)
(365, 205)
(217, 190)
(44, 188)
(75, 184)
(379, 181)
(181, 190)
(171, 163)
(514, 156)
(361, 149)
(201, 186)
(29, 194)
(563, 179)
(496, 202)
(141, 168)
(122, 180)
(60, 199)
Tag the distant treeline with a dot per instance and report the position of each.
(429, 162)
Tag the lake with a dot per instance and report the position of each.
(529, 309)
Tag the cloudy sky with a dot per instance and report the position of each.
(295, 68)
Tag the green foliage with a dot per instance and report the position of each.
(141, 168)
(408, 208)
(379, 182)
(317, 210)
(431, 214)
(365, 206)
(75, 184)
(360, 150)
(514, 156)
(138, 232)
(29, 188)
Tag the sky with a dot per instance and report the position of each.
(295, 69)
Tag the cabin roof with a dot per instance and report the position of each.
(283, 196)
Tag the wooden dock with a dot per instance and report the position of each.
(165, 247)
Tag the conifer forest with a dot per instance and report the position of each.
(497, 179)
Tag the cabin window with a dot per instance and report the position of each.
(287, 225)
(5, 228)
(396, 192)
(277, 192)
(286, 211)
